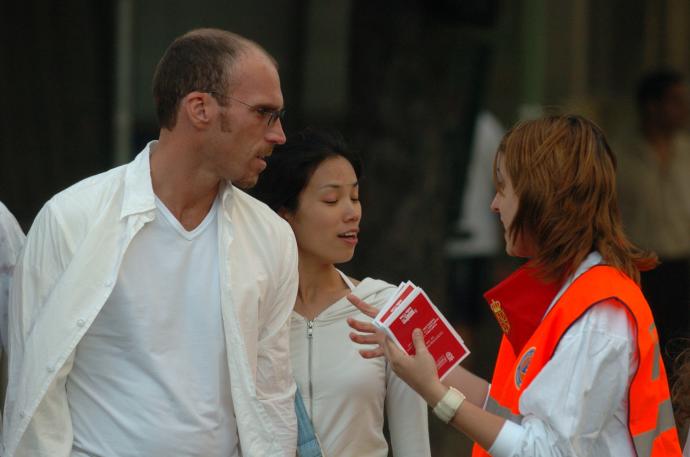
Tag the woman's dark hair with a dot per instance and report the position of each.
(292, 164)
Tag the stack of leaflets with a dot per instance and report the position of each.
(410, 308)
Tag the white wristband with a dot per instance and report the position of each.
(446, 408)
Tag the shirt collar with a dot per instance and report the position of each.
(521, 301)
(227, 196)
(138, 192)
(593, 259)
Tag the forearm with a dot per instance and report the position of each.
(275, 388)
(472, 386)
(480, 426)
(49, 432)
(281, 414)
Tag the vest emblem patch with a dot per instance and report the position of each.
(501, 316)
(522, 366)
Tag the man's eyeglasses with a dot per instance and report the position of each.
(271, 114)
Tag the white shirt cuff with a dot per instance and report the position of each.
(507, 440)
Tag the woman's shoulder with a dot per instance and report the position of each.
(374, 291)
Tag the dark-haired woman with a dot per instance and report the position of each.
(313, 182)
(579, 371)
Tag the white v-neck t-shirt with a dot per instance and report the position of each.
(150, 377)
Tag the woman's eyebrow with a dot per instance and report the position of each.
(338, 186)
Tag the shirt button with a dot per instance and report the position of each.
(80, 322)
(50, 369)
(21, 414)
(108, 283)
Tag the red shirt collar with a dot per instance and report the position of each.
(519, 303)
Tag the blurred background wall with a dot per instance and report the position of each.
(403, 79)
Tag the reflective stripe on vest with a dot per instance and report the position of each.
(494, 407)
(664, 421)
(657, 356)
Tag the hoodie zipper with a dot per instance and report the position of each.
(310, 336)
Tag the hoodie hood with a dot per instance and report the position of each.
(373, 291)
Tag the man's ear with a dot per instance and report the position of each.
(197, 107)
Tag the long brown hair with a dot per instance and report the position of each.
(564, 174)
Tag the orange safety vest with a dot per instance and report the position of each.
(650, 415)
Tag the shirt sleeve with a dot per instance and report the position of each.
(44, 258)
(50, 434)
(11, 242)
(579, 392)
(407, 418)
(274, 384)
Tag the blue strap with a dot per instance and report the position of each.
(307, 443)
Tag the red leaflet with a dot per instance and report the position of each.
(411, 308)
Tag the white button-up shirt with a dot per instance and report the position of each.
(68, 270)
(11, 242)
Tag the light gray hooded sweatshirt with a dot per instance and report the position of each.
(345, 394)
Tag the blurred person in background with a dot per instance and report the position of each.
(11, 242)
(149, 312)
(579, 371)
(476, 240)
(313, 182)
(654, 188)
